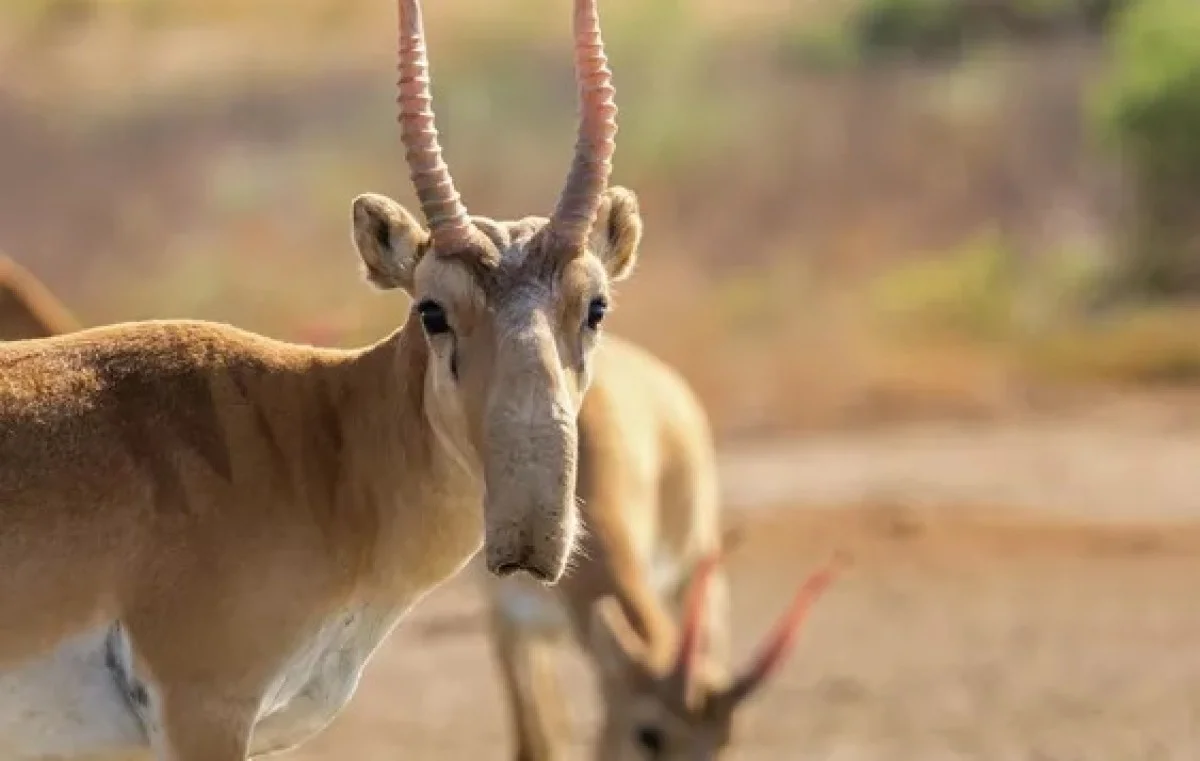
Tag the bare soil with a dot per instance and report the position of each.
(1019, 593)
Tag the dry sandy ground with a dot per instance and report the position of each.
(966, 631)
(1116, 464)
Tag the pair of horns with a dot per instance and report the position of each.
(441, 203)
(776, 646)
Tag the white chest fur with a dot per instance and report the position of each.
(319, 679)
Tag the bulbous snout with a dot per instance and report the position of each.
(517, 548)
(530, 460)
(530, 514)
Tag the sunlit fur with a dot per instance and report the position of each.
(212, 531)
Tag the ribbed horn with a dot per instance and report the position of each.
(440, 202)
(780, 642)
(692, 628)
(576, 211)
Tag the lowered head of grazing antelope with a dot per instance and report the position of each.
(511, 311)
(668, 701)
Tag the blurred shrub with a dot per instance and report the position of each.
(984, 291)
(924, 27)
(1149, 112)
(820, 46)
(929, 28)
(970, 292)
(1150, 345)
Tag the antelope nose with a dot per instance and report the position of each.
(507, 561)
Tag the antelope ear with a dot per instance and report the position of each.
(617, 233)
(619, 650)
(389, 240)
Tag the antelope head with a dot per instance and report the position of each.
(510, 311)
(672, 703)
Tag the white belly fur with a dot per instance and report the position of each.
(69, 705)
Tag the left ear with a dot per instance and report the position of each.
(390, 241)
(617, 232)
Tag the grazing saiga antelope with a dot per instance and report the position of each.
(27, 308)
(205, 533)
(646, 598)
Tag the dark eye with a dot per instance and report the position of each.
(650, 739)
(433, 317)
(597, 308)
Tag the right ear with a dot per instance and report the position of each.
(389, 240)
(617, 233)
(618, 648)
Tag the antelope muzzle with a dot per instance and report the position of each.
(530, 459)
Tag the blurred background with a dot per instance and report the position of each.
(932, 265)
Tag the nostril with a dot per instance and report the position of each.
(506, 569)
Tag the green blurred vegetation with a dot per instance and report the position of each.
(1148, 110)
(881, 31)
(970, 293)
(931, 27)
(980, 294)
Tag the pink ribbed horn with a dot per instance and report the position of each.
(590, 169)
(694, 612)
(773, 652)
(440, 202)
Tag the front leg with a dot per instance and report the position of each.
(199, 678)
(211, 722)
(199, 723)
(207, 715)
(526, 662)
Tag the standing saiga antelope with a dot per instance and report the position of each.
(647, 598)
(206, 533)
(27, 308)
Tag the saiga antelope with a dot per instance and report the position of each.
(632, 393)
(27, 308)
(648, 489)
(660, 397)
(206, 533)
